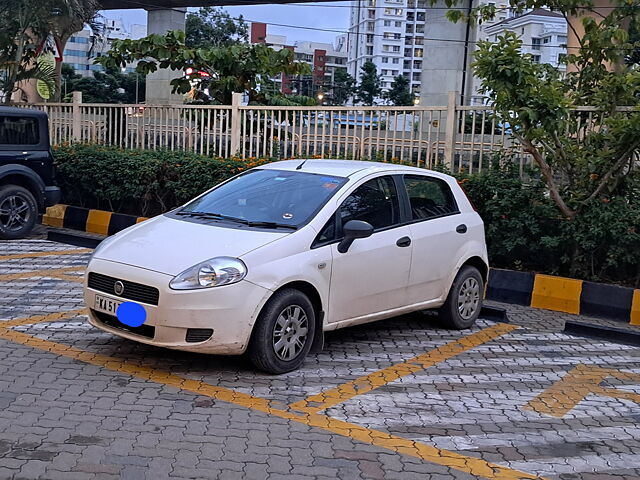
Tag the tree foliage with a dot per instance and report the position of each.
(368, 90)
(583, 157)
(218, 71)
(344, 87)
(399, 94)
(24, 26)
(104, 87)
(214, 27)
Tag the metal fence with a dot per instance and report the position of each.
(460, 137)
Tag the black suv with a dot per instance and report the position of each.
(26, 171)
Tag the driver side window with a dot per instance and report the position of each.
(374, 202)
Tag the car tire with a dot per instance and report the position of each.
(18, 212)
(464, 302)
(275, 345)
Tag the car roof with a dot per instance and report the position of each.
(342, 168)
(30, 112)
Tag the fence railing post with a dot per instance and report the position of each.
(236, 100)
(450, 131)
(76, 118)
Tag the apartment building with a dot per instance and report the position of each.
(391, 34)
(543, 34)
(325, 60)
(83, 47)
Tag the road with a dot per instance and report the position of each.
(398, 399)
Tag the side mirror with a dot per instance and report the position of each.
(354, 229)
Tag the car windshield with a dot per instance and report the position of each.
(264, 197)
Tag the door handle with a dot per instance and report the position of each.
(403, 242)
(461, 228)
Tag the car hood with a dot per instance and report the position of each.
(170, 246)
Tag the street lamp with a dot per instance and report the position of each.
(416, 101)
(320, 97)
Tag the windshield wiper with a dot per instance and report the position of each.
(271, 225)
(249, 223)
(215, 216)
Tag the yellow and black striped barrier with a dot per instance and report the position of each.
(88, 220)
(565, 295)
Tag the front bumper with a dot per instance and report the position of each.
(52, 196)
(229, 310)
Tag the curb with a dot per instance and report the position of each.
(565, 295)
(613, 334)
(523, 288)
(88, 220)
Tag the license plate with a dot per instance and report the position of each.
(106, 305)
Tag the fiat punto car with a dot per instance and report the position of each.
(272, 258)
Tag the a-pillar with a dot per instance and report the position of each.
(158, 86)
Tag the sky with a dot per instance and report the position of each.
(333, 16)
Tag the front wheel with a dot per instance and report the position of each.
(18, 212)
(283, 333)
(463, 305)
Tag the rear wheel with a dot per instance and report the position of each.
(18, 212)
(283, 333)
(463, 305)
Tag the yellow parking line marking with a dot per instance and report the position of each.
(51, 272)
(561, 397)
(471, 465)
(367, 383)
(69, 278)
(16, 256)
(50, 317)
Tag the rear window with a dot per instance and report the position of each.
(430, 197)
(19, 131)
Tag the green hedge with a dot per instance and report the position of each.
(524, 230)
(138, 182)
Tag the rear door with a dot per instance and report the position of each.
(438, 233)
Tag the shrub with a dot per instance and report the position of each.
(138, 182)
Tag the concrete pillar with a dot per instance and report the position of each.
(158, 87)
(443, 63)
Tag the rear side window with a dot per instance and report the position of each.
(19, 131)
(375, 202)
(429, 197)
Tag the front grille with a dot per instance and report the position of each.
(195, 335)
(132, 291)
(113, 322)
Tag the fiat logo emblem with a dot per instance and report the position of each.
(118, 287)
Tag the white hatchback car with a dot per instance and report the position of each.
(270, 259)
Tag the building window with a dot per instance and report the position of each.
(369, 38)
(396, 60)
(562, 38)
(407, 52)
(372, 14)
(369, 50)
(535, 58)
(562, 57)
(370, 27)
(79, 40)
(416, 76)
(419, 28)
(417, 52)
(394, 72)
(407, 64)
(420, 16)
(417, 64)
(522, 30)
(75, 53)
(546, 40)
(409, 28)
(419, 40)
(396, 36)
(408, 40)
(387, 23)
(398, 24)
(396, 48)
(385, 59)
(535, 43)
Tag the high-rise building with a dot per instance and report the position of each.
(391, 34)
(83, 47)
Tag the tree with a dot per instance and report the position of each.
(111, 86)
(369, 88)
(399, 94)
(214, 27)
(344, 86)
(218, 71)
(25, 25)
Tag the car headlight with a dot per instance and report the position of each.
(210, 273)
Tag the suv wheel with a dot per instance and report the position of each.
(283, 333)
(463, 305)
(18, 212)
